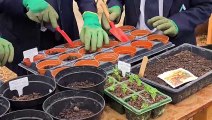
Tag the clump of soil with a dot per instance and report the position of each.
(75, 113)
(84, 84)
(53, 53)
(48, 67)
(138, 104)
(134, 86)
(32, 96)
(194, 63)
(157, 99)
(70, 58)
(119, 92)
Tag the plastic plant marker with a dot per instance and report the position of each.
(19, 84)
(124, 67)
(117, 32)
(143, 66)
(30, 53)
(67, 38)
(209, 36)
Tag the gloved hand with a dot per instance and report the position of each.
(92, 33)
(115, 16)
(6, 52)
(167, 26)
(40, 10)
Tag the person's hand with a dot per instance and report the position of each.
(40, 11)
(92, 33)
(6, 52)
(167, 26)
(115, 16)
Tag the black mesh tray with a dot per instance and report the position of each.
(182, 92)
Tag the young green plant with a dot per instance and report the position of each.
(134, 97)
(152, 91)
(124, 88)
(145, 105)
(112, 88)
(116, 72)
(111, 80)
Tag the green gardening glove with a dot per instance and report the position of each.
(167, 26)
(115, 16)
(41, 11)
(6, 52)
(92, 33)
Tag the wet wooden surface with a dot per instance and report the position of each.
(198, 105)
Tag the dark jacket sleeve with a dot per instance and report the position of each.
(112, 3)
(87, 5)
(198, 13)
(12, 7)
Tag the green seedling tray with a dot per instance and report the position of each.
(123, 101)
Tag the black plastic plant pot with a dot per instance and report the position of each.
(114, 105)
(27, 114)
(132, 116)
(155, 113)
(68, 102)
(42, 85)
(82, 74)
(4, 105)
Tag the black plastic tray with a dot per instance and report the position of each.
(188, 89)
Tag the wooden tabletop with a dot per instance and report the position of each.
(183, 110)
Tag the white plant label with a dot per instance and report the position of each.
(19, 84)
(124, 67)
(30, 53)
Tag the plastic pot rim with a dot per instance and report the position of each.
(8, 108)
(105, 78)
(28, 110)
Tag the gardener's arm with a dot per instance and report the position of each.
(12, 7)
(187, 21)
(115, 9)
(92, 33)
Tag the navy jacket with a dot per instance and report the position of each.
(197, 12)
(25, 34)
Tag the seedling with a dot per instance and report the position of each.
(116, 72)
(134, 97)
(124, 88)
(111, 79)
(144, 105)
(112, 88)
(152, 91)
(139, 83)
(131, 78)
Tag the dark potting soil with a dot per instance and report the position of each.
(158, 98)
(194, 63)
(48, 67)
(53, 53)
(32, 96)
(119, 92)
(138, 104)
(134, 86)
(70, 58)
(75, 113)
(85, 84)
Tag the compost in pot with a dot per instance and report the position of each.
(39, 88)
(75, 105)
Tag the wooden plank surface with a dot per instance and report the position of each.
(184, 110)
